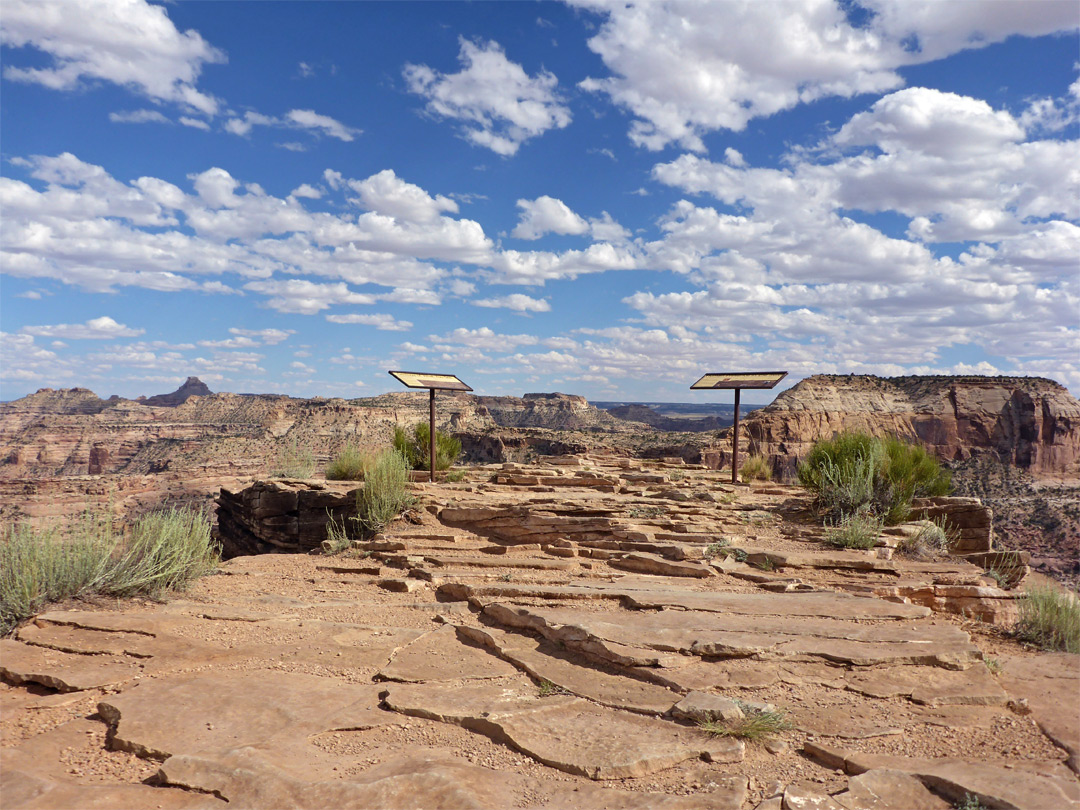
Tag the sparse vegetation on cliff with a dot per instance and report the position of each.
(415, 447)
(384, 495)
(855, 472)
(857, 530)
(1050, 619)
(165, 551)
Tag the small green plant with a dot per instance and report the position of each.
(294, 461)
(930, 540)
(1050, 618)
(507, 577)
(455, 476)
(767, 564)
(676, 475)
(716, 549)
(993, 665)
(727, 498)
(384, 495)
(970, 802)
(337, 537)
(860, 530)
(349, 465)
(546, 689)
(165, 550)
(757, 725)
(756, 468)
(416, 447)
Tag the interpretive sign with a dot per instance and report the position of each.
(432, 382)
(737, 380)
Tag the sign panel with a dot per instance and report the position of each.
(740, 379)
(439, 382)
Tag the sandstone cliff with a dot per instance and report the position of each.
(1026, 422)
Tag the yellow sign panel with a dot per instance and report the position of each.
(740, 379)
(441, 382)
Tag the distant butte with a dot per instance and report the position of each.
(192, 387)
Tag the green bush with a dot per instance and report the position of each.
(860, 530)
(1050, 618)
(416, 447)
(856, 472)
(349, 465)
(166, 550)
(930, 540)
(756, 468)
(384, 495)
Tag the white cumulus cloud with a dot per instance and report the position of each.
(500, 105)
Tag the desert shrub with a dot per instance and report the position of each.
(757, 725)
(930, 540)
(384, 494)
(349, 465)
(859, 530)
(293, 461)
(855, 472)
(415, 447)
(455, 476)
(756, 468)
(1050, 618)
(166, 550)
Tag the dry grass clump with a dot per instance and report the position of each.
(350, 464)
(1050, 618)
(165, 551)
(757, 725)
(860, 530)
(756, 468)
(929, 541)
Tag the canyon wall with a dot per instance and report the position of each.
(1026, 422)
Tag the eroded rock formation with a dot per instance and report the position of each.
(1028, 422)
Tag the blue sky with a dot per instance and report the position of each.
(586, 197)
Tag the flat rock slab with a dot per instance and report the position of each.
(66, 672)
(972, 687)
(548, 662)
(563, 732)
(197, 713)
(884, 789)
(1004, 784)
(1048, 683)
(607, 635)
(247, 780)
(820, 604)
(538, 563)
(27, 791)
(659, 566)
(441, 656)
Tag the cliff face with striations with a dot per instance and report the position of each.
(1026, 422)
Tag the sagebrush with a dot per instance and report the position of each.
(860, 530)
(415, 447)
(165, 551)
(384, 495)
(294, 460)
(853, 473)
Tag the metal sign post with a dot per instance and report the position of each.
(432, 382)
(738, 380)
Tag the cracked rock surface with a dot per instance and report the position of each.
(548, 636)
